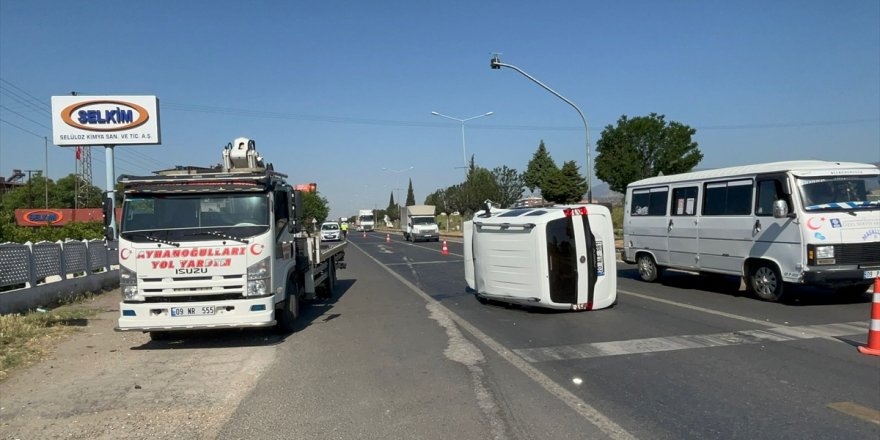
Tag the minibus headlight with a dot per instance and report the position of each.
(824, 252)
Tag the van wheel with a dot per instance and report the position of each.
(286, 316)
(648, 269)
(766, 282)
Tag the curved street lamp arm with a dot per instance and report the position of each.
(497, 64)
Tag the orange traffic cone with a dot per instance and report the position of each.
(365, 233)
(445, 249)
(387, 238)
(873, 347)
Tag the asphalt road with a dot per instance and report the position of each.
(689, 357)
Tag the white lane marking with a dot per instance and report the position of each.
(697, 308)
(592, 415)
(416, 263)
(684, 342)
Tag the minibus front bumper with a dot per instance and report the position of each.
(831, 276)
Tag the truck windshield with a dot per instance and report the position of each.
(840, 192)
(366, 218)
(177, 215)
(423, 220)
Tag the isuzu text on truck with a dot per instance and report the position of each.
(203, 248)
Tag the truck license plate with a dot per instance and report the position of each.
(192, 311)
(871, 274)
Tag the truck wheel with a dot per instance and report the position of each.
(648, 269)
(285, 317)
(766, 282)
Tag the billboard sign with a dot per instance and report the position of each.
(105, 120)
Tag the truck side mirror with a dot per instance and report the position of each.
(291, 215)
(107, 211)
(780, 209)
(298, 209)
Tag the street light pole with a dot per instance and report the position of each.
(462, 121)
(497, 64)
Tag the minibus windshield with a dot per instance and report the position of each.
(840, 192)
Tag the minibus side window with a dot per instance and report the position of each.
(649, 201)
(769, 191)
(728, 198)
(684, 201)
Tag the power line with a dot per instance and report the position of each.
(22, 129)
(47, 107)
(25, 117)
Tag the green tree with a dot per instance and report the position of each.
(643, 147)
(410, 196)
(510, 185)
(438, 199)
(565, 185)
(315, 207)
(479, 186)
(539, 168)
(392, 210)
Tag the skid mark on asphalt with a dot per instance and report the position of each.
(685, 342)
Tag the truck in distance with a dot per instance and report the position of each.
(365, 221)
(417, 222)
(224, 247)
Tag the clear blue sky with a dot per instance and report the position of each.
(333, 92)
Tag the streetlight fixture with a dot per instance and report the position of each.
(496, 63)
(462, 121)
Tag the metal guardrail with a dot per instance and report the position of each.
(34, 274)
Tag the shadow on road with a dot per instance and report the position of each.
(795, 295)
(310, 312)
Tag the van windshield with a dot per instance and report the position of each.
(840, 192)
(423, 220)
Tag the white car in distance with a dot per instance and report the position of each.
(330, 231)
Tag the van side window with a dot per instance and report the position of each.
(649, 201)
(684, 201)
(769, 191)
(728, 198)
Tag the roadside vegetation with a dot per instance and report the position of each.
(30, 337)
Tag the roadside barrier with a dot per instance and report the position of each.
(873, 347)
(445, 249)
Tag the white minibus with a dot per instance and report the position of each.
(803, 222)
(558, 257)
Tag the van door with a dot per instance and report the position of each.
(727, 225)
(683, 226)
(562, 260)
(776, 239)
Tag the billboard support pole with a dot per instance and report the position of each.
(111, 188)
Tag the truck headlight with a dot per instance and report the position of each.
(128, 284)
(258, 278)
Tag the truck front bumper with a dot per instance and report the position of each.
(241, 313)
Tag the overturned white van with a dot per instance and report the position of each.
(805, 222)
(555, 257)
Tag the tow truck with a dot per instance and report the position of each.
(219, 247)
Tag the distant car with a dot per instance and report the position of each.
(330, 231)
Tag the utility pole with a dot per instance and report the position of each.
(30, 194)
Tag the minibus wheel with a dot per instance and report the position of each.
(766, 282)
(648, 269)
